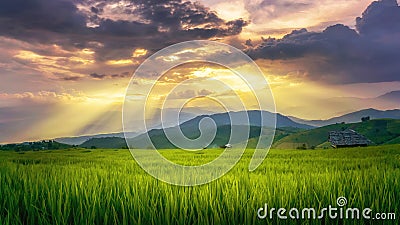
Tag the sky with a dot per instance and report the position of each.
(65, 64)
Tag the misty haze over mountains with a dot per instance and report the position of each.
(222, 119)
(192, 116)
(352, 117)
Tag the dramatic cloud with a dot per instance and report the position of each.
(98, 76)
(69, 61)
(110, 76)
(339, 54)
(278, 17)
(90, 24)
(380, 19)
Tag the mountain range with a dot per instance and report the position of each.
(393, 96)
(352, 117)
(191, 120)
(286, 126)
(254, 119)
(223, 122)
(154, 123)
(81, 139)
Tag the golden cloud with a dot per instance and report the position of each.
(121, 62)
(54, 66)
(139, 52)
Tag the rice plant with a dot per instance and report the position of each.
(78, 186)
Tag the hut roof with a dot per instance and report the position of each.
(347, 138)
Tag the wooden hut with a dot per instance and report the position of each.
(347, 138)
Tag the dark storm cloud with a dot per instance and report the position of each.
(339, 54)
(98, 76)
(333, 40)
(71, 78)
(41, 21)
(57, 16)
(380, 18)
(161, 23)
(249, 43)
(110, 76)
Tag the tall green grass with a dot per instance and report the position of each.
(108, 187)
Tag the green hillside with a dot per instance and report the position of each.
(160, 141)
(279, 134)
(394, 141)
(380, 131)
(106, 142)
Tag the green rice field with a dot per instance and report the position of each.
(82, 186)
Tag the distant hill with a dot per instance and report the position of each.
(160, 141)
(254, 119)
(279, 134)
(190, 129)
(380, 131)
(223, 121)
(168, 115)
(353, 117)
(81, 139)
(105, 142)
(190, 119)
(393, 96)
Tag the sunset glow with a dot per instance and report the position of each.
(66, 74)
